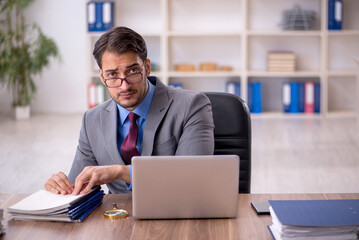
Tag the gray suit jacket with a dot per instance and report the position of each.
(179, 122)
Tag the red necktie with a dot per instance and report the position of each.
(128, 147)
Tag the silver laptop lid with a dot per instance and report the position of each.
(185, 186)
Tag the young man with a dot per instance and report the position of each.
(144, 117)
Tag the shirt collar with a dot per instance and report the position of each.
(142, 109)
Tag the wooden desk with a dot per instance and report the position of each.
(248, 225)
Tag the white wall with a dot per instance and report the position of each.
(61, 87)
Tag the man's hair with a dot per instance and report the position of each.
(120, 40)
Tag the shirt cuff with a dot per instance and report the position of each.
(129, 186)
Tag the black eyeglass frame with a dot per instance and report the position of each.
(125, 78)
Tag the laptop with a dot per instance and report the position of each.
(172, 187)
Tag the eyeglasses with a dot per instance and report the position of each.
(117, 82)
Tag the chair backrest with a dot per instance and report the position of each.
(232, 132)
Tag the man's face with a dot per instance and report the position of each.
(128, 96)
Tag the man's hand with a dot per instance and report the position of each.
(98, 175)
(59, 183)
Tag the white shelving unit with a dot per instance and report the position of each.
(239, 33)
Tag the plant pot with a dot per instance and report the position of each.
(21, 112)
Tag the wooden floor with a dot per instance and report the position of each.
(288, 155)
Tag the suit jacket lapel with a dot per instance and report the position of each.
(108, 123)
(159, 106)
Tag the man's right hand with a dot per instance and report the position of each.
(58, 183)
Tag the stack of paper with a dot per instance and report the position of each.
(2, 229)
(315, 219)
(47, 206)
(281, 61)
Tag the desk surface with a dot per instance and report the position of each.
(247, 225)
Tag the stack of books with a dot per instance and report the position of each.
(281, 61)
(47, 206)
(315, 219)
(2, 229)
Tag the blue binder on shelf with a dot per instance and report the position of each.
(301, 98)
(250, 97)
(294, 97)
(335, 14)
(256, 97)
(233, 88)
(286, 97)
(317, 97)
(99, 16)
(176, 85)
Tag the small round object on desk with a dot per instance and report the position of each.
(115, 213)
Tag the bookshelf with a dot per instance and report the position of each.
(239, 33)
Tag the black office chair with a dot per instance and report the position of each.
(232, 132)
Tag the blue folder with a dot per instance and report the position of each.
(286, 97)
(301, 97)
(294, 97)
(343, 212)
(335, 14)
(250, 96)
(317, 97)
(100, 15)
(233, 88)
(257, 97)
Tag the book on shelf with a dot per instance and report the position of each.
(100, 16)
(284, 64)
(281, 55)
(255, 97)
(314, 219)
(335, 14)
(281, 69)
(46, 206)
(233, 88)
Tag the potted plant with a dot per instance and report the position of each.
(24, 52)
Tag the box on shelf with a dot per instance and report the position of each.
(185, 67)
(208, 67)
(226, 68)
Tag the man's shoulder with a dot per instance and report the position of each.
(106, 106)
(180, 95)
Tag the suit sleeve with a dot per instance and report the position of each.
(84, 155)
(197, 137)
